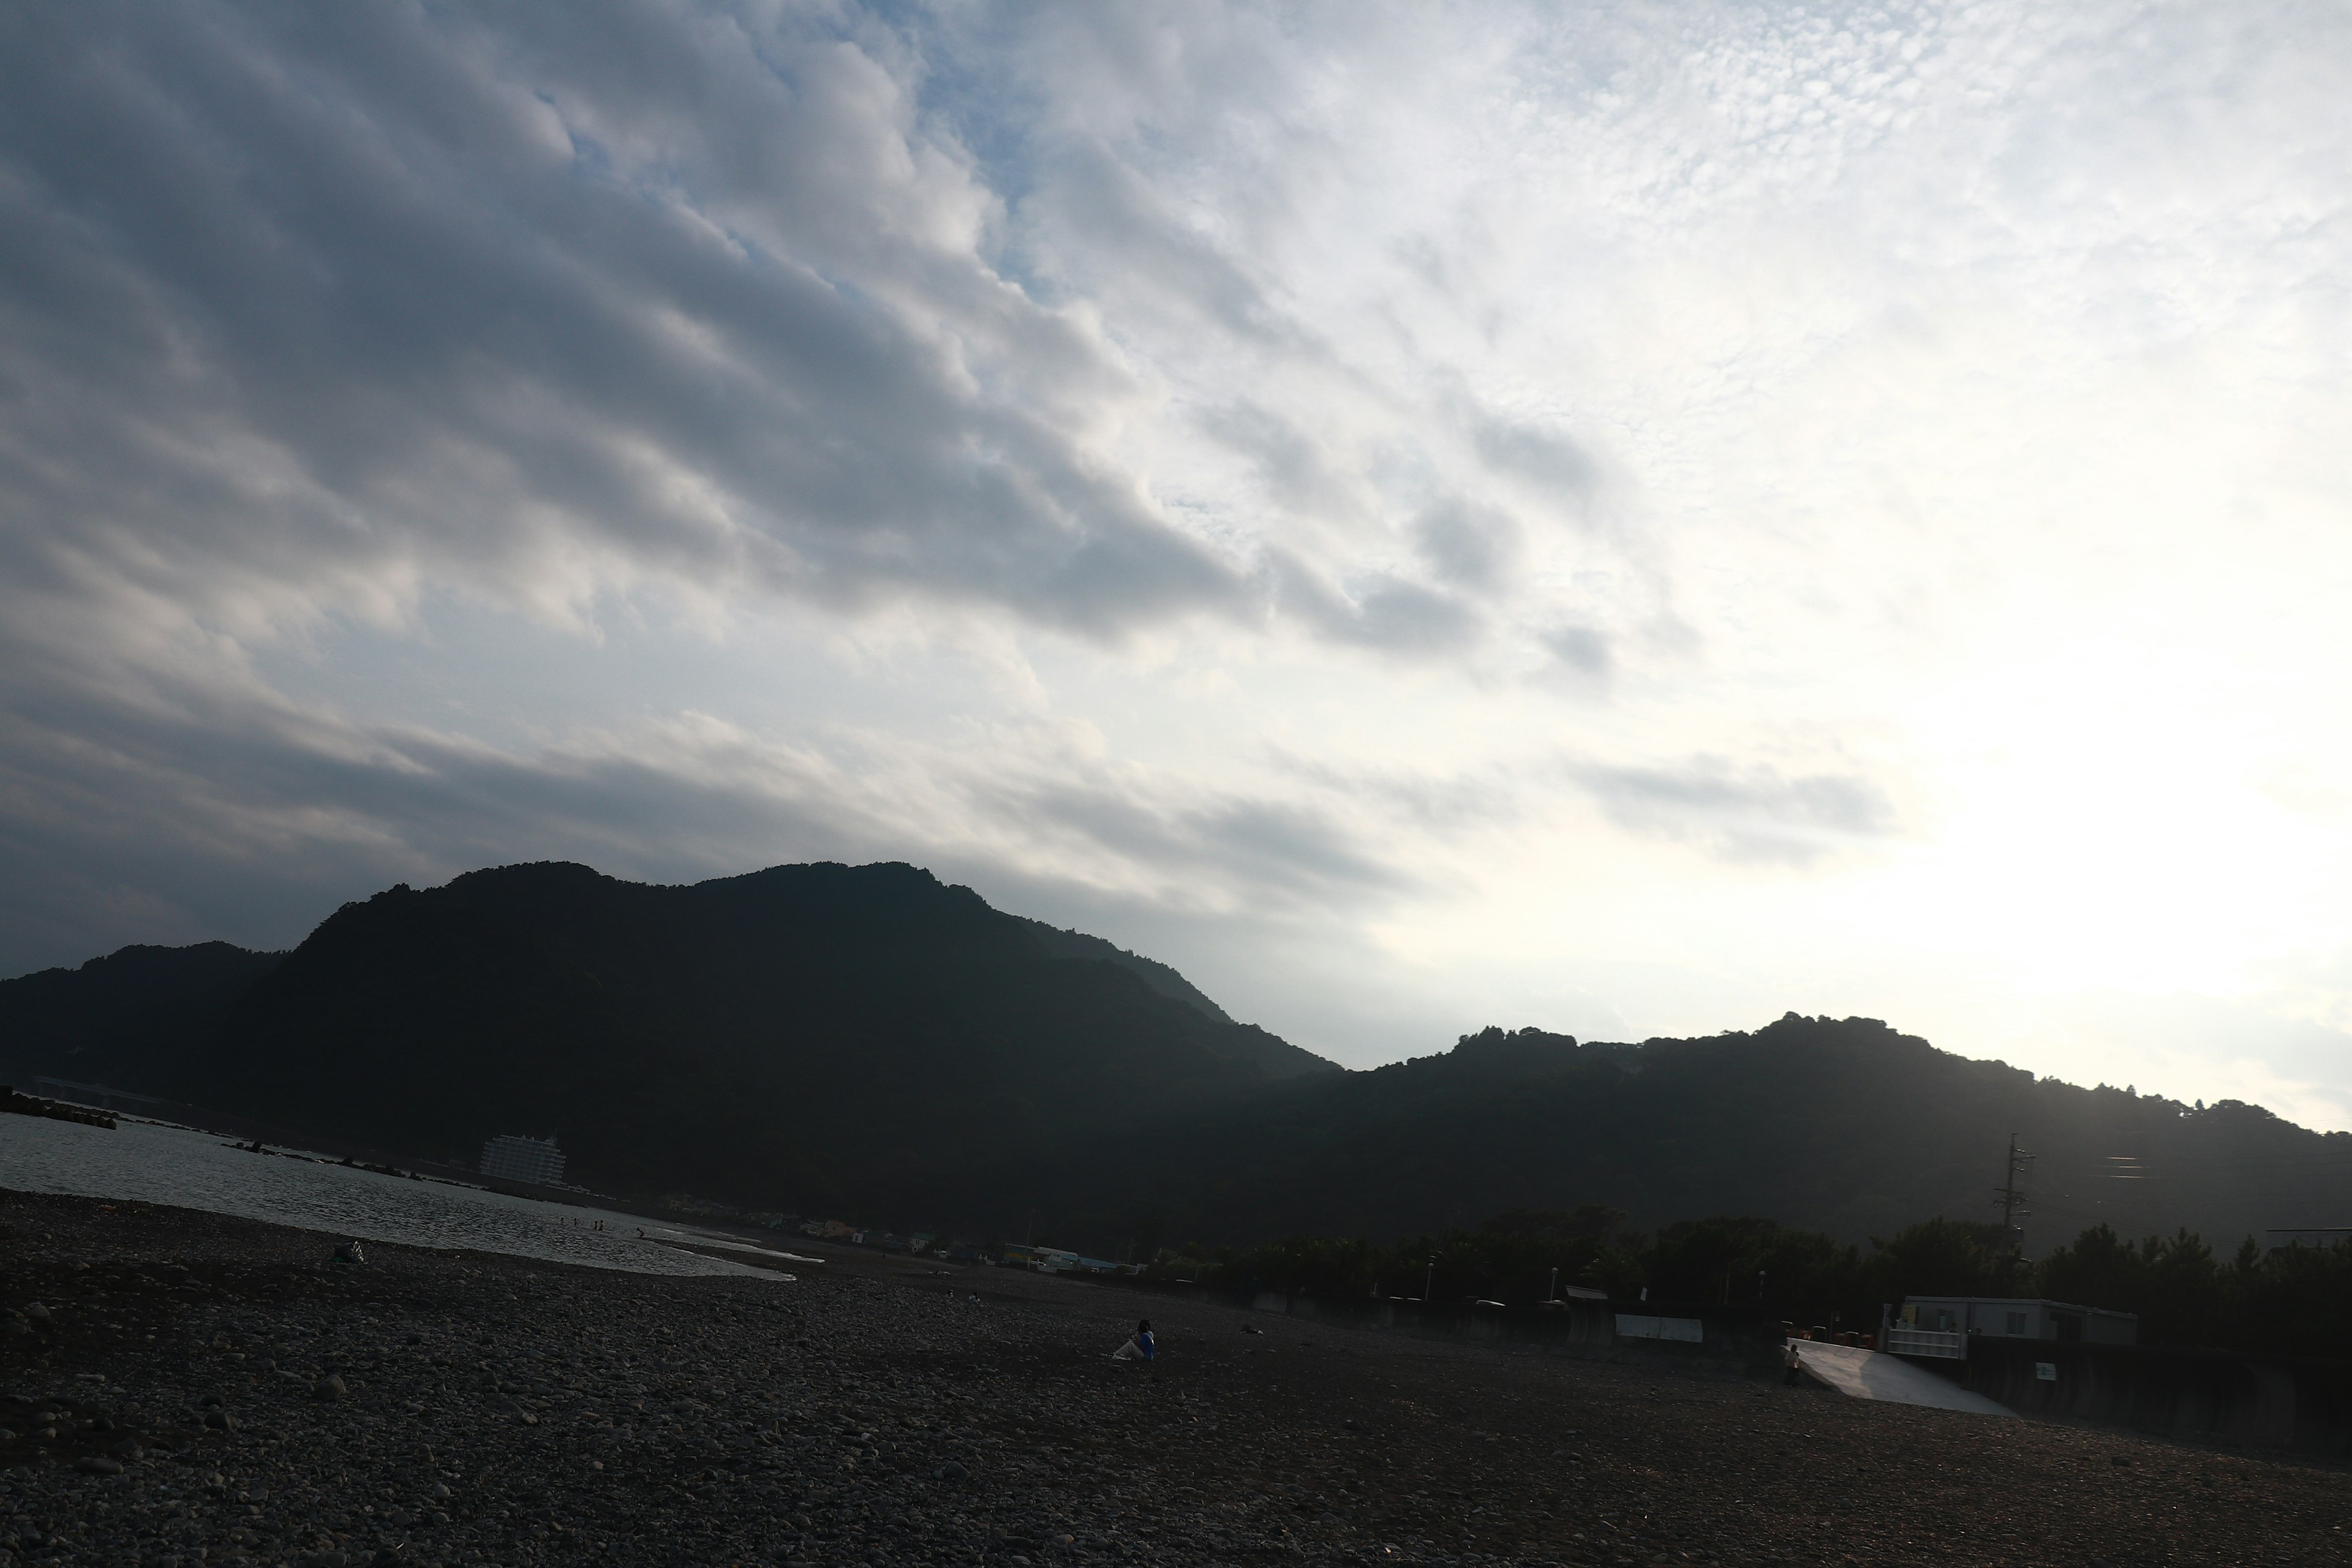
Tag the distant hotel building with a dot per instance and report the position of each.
(515, 1159)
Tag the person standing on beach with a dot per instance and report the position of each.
(1795, 1364)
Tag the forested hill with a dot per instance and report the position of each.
(1841, 1126)
(870, 1043)
(117, 1017)
(800, 1034)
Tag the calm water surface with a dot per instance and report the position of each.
(144, 1163)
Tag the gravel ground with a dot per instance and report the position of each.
(210, 1389)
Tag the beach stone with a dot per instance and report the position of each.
(329, 1389)
(94, 1465)
(1224, 1461)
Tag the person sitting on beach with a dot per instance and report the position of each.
(1139, 1345)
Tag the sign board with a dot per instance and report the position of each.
(2046, 1371)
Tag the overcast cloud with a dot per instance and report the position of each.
(1632, 519)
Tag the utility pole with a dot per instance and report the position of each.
(1427, 1280)
(2010, 1198)
(1551, 1292)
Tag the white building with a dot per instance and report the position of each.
(515, 1158)
(1996, 1317)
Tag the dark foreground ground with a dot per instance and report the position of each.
(210, 1389)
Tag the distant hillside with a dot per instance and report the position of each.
(1274, 1057)
(804, 1035)
(1846, 1127)
(115, 1016)
(870, 1043)
(1159, 976)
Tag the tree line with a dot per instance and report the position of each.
(2293, 1300)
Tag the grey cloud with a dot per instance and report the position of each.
(194, 808)
(302, 297)
(1474, 547)
(1582, 648)
(1095, 196)
(1382, 611)
(310, 313)
(1277, 848)
(1288, 462)
(1748, 813)
(1444, 804)
(1545, 459)
(1403, 617)
(1742, 814)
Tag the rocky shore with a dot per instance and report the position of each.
(182, 1387)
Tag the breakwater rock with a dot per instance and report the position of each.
(14, 1104)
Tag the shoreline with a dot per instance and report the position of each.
(259, 1405)
(149, 1162)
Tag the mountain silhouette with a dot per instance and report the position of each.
(871, 1043)
(117, 1018)
(1842, 1126)
(805, 1032)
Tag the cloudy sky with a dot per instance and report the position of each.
(1629, 518)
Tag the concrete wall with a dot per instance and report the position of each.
(2269, 1402)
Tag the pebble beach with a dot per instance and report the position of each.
(183, 1387)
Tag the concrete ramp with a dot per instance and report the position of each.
(1867, 1374)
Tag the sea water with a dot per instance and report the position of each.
(140, 1161)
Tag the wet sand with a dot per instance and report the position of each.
(210, 1388)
